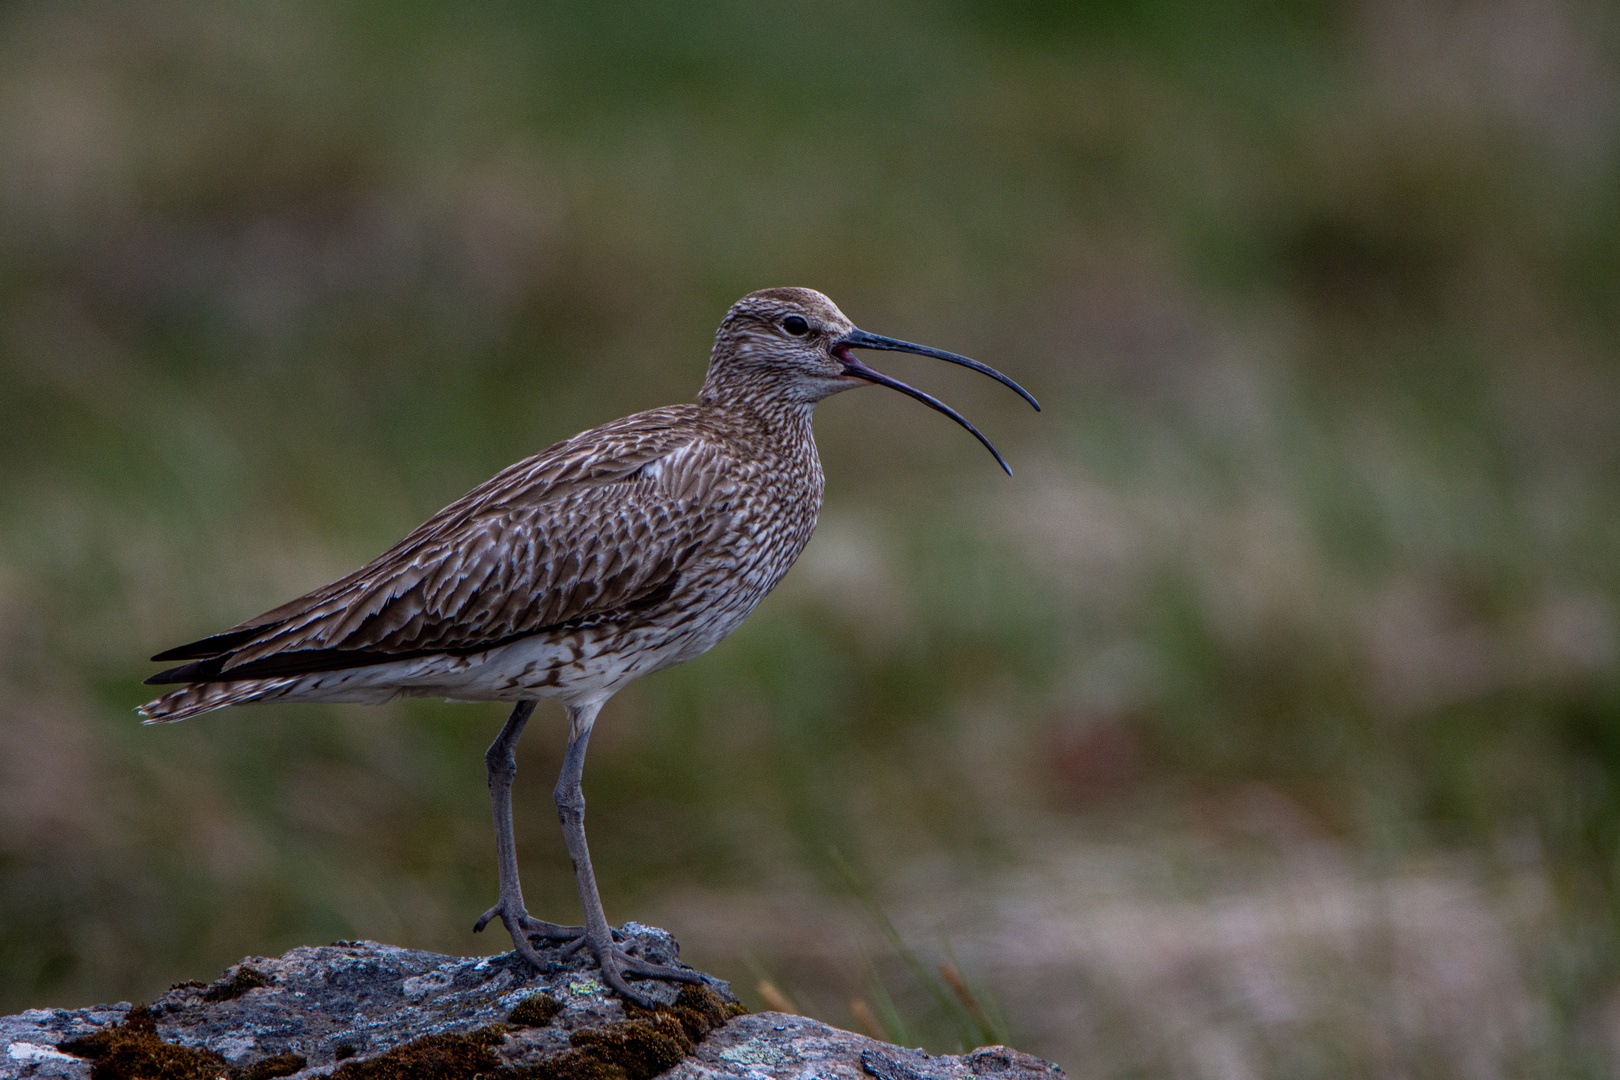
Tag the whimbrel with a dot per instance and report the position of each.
(624, 550)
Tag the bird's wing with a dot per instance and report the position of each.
(593, 528)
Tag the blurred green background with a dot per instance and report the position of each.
(1267, 723)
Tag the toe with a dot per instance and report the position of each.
(484, 919)
(615, 979)
(522, 926)
(549, 930)
(643, 970)
(526, 950)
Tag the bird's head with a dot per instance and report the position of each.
(793, 347)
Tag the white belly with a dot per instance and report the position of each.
(587, 665)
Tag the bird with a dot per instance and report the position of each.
(627, 549)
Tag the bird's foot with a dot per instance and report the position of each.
(618, 961)
(524, 928)
(619, 965)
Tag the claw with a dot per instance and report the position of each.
(643, 970)
(526, 949)
(617, 962)
(550, 931)
(618, 966)
(524, 928)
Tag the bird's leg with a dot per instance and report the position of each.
(615, 962)
(501, 761)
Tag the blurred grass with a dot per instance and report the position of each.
(1321, 518)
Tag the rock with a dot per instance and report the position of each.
(363, 1011)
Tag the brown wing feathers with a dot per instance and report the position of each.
(580, 532)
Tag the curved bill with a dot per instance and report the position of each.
(860, 339)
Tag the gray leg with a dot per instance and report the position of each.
(501, 761)
(616, 964)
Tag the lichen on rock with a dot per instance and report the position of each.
(364, 1011)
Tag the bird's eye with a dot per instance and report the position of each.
(796, 325)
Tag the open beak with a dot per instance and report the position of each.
(860, 339)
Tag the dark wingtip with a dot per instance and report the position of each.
(209, 646)
(173, 675)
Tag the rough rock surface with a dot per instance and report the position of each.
(375, 1012)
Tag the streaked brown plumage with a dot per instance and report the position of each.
(626, 549)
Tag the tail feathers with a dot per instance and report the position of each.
(199, 698)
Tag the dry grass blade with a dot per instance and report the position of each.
(773, 996)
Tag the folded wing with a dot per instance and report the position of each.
(580, 533)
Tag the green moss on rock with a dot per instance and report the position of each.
(435, 1057)
(536, 1010)
(270, 1068)
(132, 1051)
(643, 1048)
(640, 1046)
